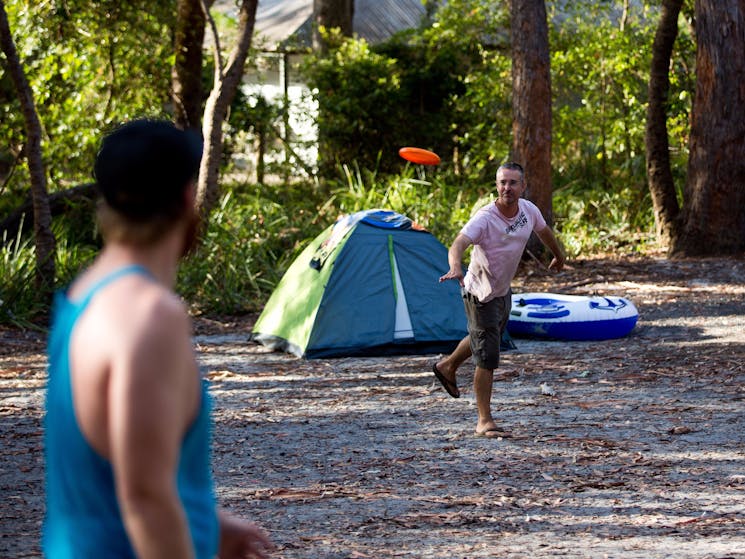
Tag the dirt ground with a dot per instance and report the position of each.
(630, 448)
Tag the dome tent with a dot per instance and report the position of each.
(368, 285)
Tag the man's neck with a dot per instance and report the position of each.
(507, 210)
(161, 259)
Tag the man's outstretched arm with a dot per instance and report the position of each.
(547, 237)
(455, 258)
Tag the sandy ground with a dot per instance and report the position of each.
(631, 448)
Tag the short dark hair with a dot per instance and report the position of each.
(144, 167)
(513, 166)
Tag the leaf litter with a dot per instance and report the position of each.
(630, 448)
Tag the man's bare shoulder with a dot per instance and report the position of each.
(156, 316)
(133, 338)
(137, 316)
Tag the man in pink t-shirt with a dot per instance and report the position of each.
(498, 233)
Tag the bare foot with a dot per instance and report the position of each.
(490, 430)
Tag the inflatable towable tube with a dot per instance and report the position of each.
(571, 317)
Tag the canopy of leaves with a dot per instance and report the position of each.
(419, 88)
(445, 86)
(90, 65)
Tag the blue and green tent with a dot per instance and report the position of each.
(368, 285)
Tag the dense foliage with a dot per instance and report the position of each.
(89, 65)
(445, 86)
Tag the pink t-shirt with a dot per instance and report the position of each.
(499, 243)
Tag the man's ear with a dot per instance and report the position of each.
(190, 195)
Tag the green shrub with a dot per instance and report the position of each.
(438, 200)
(18, 301)
(252, 237)
(596, 221)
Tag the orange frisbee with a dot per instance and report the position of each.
(419, 156)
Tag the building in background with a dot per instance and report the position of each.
(282, 35)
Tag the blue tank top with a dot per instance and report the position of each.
(83, 518)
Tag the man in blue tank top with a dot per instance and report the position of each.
(127, 428)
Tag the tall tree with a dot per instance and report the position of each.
(330, 14)
(659, 172)
(227, 79)
(186, 78)
(713, 220)
(43, 236)
(531, 99)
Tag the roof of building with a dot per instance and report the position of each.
(280, 22)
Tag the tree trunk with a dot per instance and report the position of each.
(625, 15)
(43, 236)
(531, 99)
(226, 84)
(714, 201)
(659, 173)
(260, 153)
(331, 14)
(186, 77)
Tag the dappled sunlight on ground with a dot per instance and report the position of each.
(629, 448)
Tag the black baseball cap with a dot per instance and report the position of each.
(144, 167)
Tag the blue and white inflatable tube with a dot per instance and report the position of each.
(570, 317)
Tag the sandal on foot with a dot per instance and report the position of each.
(446, 383)
(492, 433)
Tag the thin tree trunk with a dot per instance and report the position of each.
(331, 14)
(624, 15)
(224, 89)
(186, 78)
(260, 152)
(659, 173)
(43, 236)
(531, 99)
(714, 201)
